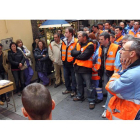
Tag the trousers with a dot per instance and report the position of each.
(81, 78)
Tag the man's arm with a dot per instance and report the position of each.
(86, 54)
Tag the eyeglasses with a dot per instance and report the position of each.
(123, 49)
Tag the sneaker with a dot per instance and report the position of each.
(104, 114)
(91, 105)
(103, 106)
(1, 103)
(73, 94)
(78, 99)
(66, 92)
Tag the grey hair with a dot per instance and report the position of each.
(86, 28)
(136, 46)
(84, 34)
(128, 37)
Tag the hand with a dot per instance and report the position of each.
(44, 55)
(20, 65)
(125, 62)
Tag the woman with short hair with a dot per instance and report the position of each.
(16, 59)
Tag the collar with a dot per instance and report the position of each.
(66, 40)
(136, 63)
(58, 43)
(135, 31)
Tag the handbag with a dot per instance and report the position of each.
(24, 66)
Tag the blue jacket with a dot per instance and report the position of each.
(117, 63)
(128, 85)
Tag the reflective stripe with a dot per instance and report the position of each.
(113, 79)
(69, 50)
(63, 54)
(94, 69)
(90, 59)
(98, 88)
(99, 57)
(99, 91)
(115, 118)
(63, 50)
(110, 64)
(110, 58)
(69, 56)
(135, 101)
(98, 63)
(94, 74)
(109, 109)
(119, 95)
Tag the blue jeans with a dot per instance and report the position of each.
(80, 78)
(95, 83)
(107, 100)
(69, 71)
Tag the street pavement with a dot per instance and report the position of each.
(66, 108)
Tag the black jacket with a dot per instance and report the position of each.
(41, 62)
(16, 58)
(83, 56)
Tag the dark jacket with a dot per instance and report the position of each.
(41, 62)
(16, 58)
(83, 56)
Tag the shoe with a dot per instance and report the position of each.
(1, 103)
(103, 106)
(78, 99)
(7, 99)
(19, 94)
(66, 92)
(73, 94)
(56, 85)
(104, 114)
(98, 101)
(91, 105)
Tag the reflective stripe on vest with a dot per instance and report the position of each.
(111, 54)
(118, 107)
(85, 63)
(68, 51)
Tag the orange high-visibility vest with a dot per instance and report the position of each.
(95, 75)
(111, 54)
(119, 39)
(101, 31)
(68, 50)
(116, 69)
(85, 63)
(118, 108)
(132, 33)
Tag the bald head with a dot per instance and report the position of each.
(122, 25)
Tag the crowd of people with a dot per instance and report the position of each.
(104, 58)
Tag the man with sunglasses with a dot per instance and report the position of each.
(135, 30)
(124, 85)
